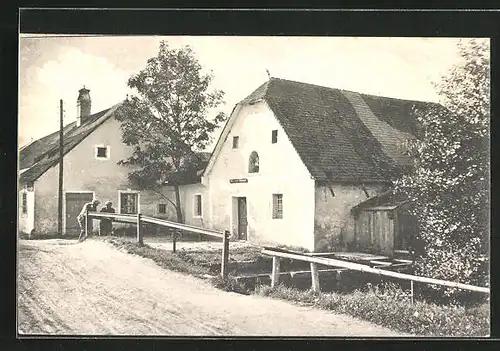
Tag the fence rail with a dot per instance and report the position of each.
(314, 261)
(139, 219)
(116, 217)
(208, 232)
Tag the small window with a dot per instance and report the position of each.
(25, 203)
(197, 206)
(274, 137)
(162, 208)
(277, 206)
(253, 163)
(30, 186)
(129, 203)
(236, 140)
(102, 152)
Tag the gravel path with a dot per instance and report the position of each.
(92, 288)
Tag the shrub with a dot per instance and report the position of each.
(449, 185)
(231, 284)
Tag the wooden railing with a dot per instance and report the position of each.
(139, 219)
(315, 261)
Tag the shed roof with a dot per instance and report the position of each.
(386, 201)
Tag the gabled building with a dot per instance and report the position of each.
(92, 149)
(294, 159)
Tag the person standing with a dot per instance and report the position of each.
(88, 207)
(106, 225)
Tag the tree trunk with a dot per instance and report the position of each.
(178, 204)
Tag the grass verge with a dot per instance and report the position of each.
(421, 318)
(388, 307)
(163, 258)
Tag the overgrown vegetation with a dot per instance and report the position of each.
(391, 308)
(230, 284)
(46, 236)
(449, 185)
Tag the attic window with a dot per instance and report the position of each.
(274, 136)
(236, 140)
(102, 152)
(253, 163)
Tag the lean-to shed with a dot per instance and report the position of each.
(383, 225)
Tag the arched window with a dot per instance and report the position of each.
(253, 163)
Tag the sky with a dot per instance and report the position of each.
(56, 67)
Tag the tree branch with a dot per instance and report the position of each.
(165, 197)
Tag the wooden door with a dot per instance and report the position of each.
(383, 239)
(74, 205)
(242, 218)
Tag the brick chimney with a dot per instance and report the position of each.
(83, 106)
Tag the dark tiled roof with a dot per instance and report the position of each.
(396, 112)
(388, 198)
(341, 135)
(43, 153)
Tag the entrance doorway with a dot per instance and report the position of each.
(240, 223)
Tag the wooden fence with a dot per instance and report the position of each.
(314, 261)
(139, 219)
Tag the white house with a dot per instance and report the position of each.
(295, 158)
(92, 149)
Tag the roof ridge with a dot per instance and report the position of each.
(304, 83)
(71, 140)
(394, 98)
(67, 125)
(353, 91)
(267, 86)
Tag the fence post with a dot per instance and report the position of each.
(174, 240)
(86, 222)
(225, 254)
(314, 277)
(139, 230)
(411, 291)
(275, 275)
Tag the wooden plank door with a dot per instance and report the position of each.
(242, 218)
(363, 230)
(383, 238)
(74, 204)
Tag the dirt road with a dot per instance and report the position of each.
(92, 288)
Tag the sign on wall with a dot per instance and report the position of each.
(241, 180)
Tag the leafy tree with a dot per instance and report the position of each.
(449, 185)
(166, 120)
